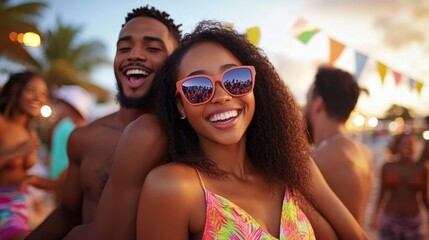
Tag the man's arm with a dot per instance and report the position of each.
(332, 210)
(143, 146)
(68, 213)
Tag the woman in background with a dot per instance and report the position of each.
(403, 186)
(20, 101)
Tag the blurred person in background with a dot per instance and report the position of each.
(403, 186)
(72, 106)
(344, 163)
(21, 99)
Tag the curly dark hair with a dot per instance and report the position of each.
(275, 138)
(12, 90)
(338, 90)
(163, 17)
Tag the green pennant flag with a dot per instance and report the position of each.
(303, 30)
(306, 36)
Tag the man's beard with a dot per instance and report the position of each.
(131, 102)
(309, 129)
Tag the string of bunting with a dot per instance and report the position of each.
(305, 31)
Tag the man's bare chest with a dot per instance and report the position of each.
(95, 168)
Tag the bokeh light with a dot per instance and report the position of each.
(31, 39)
(425, 135)
(21, 38)
(46, 111)
(13, 36)
(359, 120)
(393, 126)
(373, 122)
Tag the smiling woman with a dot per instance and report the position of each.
(20, 101)
(228, 185)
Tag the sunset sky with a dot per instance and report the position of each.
(393, 32)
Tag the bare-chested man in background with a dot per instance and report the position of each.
(345, 163)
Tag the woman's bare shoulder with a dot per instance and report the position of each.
(173, 172)
(172, 179)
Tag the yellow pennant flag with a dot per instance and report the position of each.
(382, 69)
(336, 50)
(253, 35)
(419, 86)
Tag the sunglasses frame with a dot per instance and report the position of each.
(214, 80)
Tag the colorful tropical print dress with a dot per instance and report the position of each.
(226, 220)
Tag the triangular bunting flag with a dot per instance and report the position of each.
(382, 69)
(303, 30)
(336, 50)
(397, 77)
(419, 87)
(360, 63)
(305, 37)
(412, 84)
(253, 35)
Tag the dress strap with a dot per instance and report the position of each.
(201, 179)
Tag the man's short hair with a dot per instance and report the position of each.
(338, 90)
(161, 16)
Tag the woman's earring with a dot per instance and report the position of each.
(182, 117)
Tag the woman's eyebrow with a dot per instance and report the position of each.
(223, 68)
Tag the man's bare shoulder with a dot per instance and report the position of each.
(344, 152)
(144, 136)
(358, 152)
(82, 138)
(147, 125)
(147, 119)
(90, 130)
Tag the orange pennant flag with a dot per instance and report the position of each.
(382, 69)
(336, 50)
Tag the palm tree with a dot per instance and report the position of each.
(68, 61)
(18, 18)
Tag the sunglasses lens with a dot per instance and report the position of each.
(238, 81)
(198, 89)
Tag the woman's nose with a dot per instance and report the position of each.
(220, 94)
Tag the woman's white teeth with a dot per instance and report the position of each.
(136, 71)
(223, 116)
